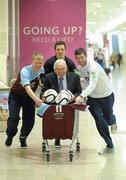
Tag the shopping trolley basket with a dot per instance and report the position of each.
(61, 122)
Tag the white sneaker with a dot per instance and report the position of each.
(106, 151)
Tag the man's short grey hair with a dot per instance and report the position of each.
(60, 62)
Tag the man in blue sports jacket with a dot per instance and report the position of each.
(22, 96)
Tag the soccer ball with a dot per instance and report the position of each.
(62, 99)
(50, 95)
(69, 93)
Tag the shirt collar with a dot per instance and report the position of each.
(64, 77)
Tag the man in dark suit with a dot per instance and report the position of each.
(70, 80)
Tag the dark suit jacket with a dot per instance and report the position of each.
(48, 66)
(73, 83)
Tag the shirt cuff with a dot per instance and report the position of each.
(81, 95)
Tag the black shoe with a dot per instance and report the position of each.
(57, 143)
(23, 143)
(8, 141)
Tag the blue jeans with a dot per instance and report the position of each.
(102, 111)
(16, 102)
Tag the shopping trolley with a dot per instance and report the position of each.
(61, 122)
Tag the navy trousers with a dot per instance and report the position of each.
(15, 103)
(102, 111)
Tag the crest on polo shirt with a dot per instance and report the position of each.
(32, 84)
(93, 75)
(58, 115)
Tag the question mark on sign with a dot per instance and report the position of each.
(80, 29)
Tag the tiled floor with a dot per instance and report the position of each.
(30, 164)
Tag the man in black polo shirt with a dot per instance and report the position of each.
(60, 51)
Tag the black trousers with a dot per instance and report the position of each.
(15, 103)
(102, 111)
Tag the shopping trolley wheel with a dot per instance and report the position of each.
(43, 147)
(78, 147)
(48, 157)
(71, 155)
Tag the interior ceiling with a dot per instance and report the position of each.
(101, 12)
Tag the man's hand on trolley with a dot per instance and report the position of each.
(38, 102)
(79, 99)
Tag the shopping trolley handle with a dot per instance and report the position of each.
(79, 106)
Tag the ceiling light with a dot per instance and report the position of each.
(98, 5)
(110, 16)
(123, 3)
(123, 28)
(91, 22)
(113, 24)
(95, 13)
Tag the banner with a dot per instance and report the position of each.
(3, 105)
(43, 22)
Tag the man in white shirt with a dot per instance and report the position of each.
(97, 87)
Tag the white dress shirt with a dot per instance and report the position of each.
(64, 82)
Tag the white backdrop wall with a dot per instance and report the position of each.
(3, 39)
